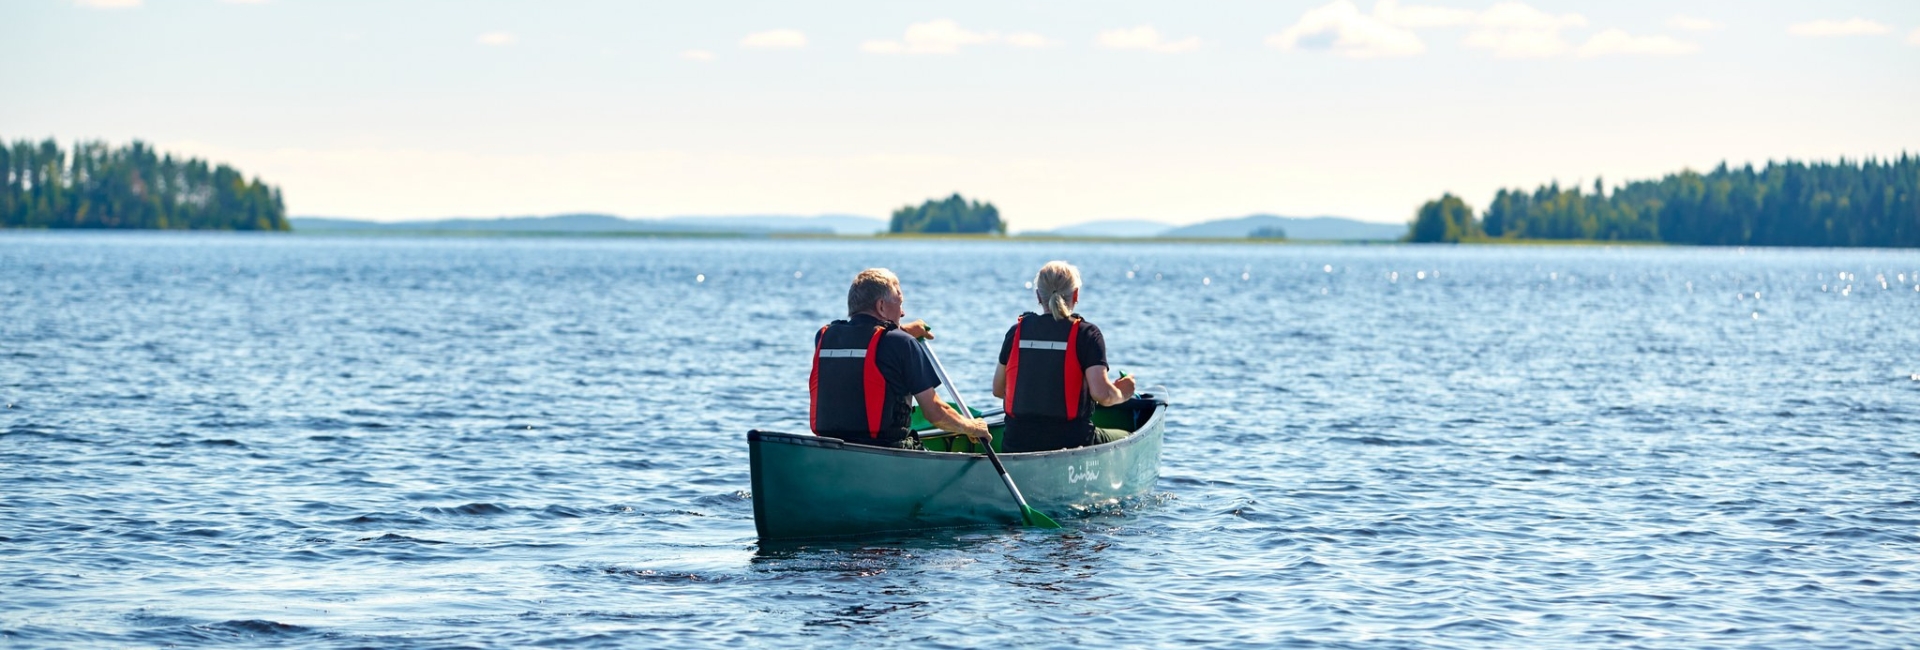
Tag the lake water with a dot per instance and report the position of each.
(225, 440)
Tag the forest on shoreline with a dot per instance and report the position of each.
(1868, 202)
(1864, 203)
(100, 186)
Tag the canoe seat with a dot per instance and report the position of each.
(1126, 416)
(934, 439)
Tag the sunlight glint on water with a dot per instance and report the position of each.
(311, 441)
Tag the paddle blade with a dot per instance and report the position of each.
(1037, 519)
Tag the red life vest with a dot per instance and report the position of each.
(847, 396)
(1044, 375)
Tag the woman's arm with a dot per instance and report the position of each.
(1105, 392)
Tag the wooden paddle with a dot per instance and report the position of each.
(1028, 515)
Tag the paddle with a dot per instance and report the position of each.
(1028, 515)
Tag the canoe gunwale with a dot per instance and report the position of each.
(810, 440)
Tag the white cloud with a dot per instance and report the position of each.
(1508, 29)
(775, 39)
(1692, 24)
(1342, 29)
(108, 4)
(933, 37)
(1515, 30)
(1418, 17)
(1849, 27)
(1030, 39)
(496, 39)
(1914, 38)
(1145, 37)
(1517, 15)
(697, 55)
(1615, 41)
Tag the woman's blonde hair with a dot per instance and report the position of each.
(1055, 286)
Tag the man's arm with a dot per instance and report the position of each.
(1000, 381)
(940, 415)
(1105, 392)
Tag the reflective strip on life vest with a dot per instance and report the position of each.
(844, 353)
(1044, 345)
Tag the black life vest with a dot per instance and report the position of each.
(847, 396)
(1044, 376)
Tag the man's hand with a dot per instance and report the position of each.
(917, 329)
(1125, 384)
(941, 415)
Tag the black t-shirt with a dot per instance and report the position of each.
(907, 371)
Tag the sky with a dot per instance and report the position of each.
(1057, 112)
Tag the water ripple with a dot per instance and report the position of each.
(223, 440)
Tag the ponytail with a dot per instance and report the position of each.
(1059, 308)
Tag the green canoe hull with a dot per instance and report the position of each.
(808, 487)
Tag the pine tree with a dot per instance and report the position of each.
(100, 186)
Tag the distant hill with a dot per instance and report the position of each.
(1311, 228)
(839, 224)
(1107, 228)
(1302, 228)
(1334, 228)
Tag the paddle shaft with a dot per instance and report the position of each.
(955, 392)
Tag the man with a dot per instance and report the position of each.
(867, 368)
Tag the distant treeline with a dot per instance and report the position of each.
(99, 186)
(955, 214)
(1870, 203)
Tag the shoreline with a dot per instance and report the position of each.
(879, 237)
(884, 237)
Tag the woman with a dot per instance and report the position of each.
(1053, 369)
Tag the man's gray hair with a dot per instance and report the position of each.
(868, 288)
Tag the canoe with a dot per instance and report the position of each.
(809, 487)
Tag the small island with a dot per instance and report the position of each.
(955, 214)
(99, 186)
(1275, 233)
(1864, 203)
